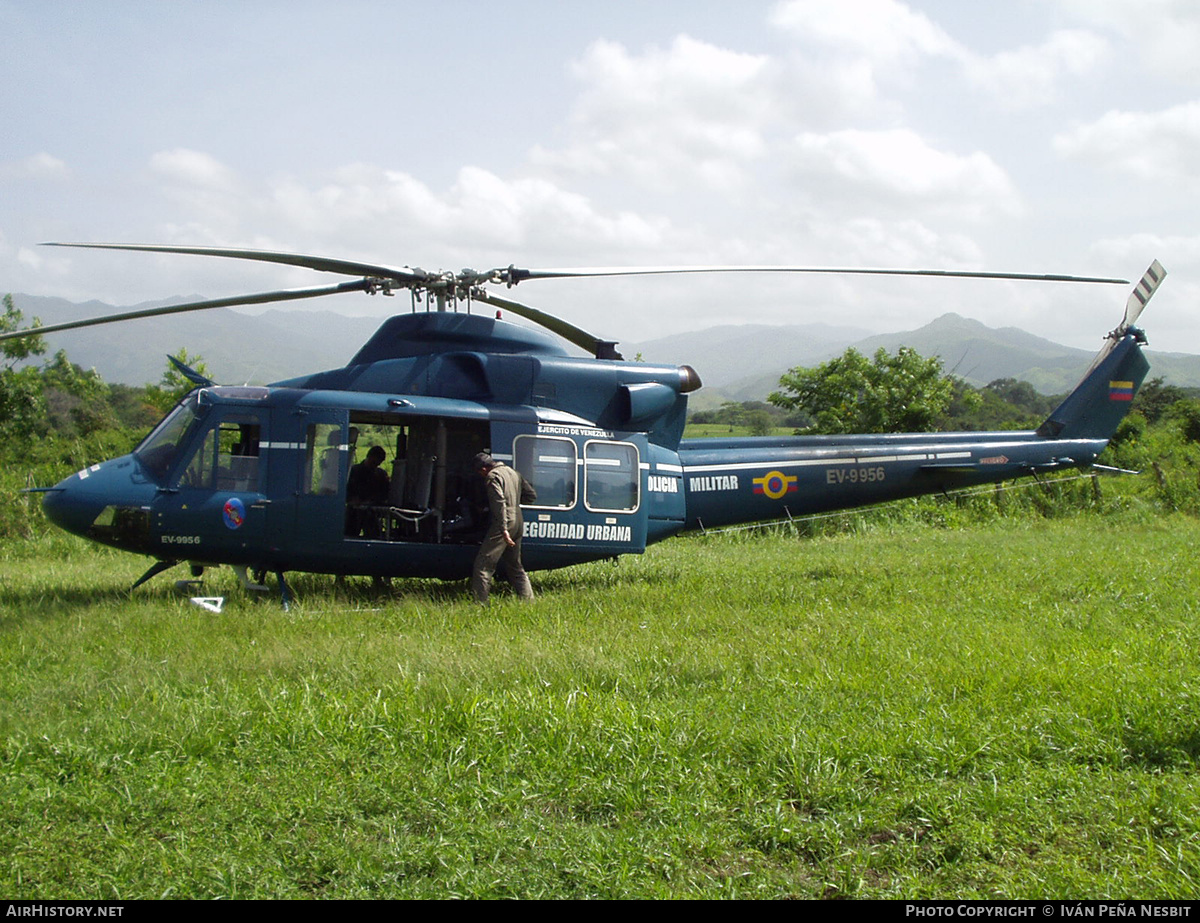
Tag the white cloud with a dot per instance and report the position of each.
(41, 262)
(213, 202)
(1158, 146)
(885, 169)
(883, 31)
(537, 213)
(357, 199)
(41, 166)
(904, 242)
(1175, 250)
(1162, 33)
(691, 113)
(192, 168)
(1031, 75)
(371, 213)
(883, 42)
(854, 59)
(818, 150)
(1170, 321)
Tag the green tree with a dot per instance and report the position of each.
(77, 401)
(21, 348)
(131, 406)
(759, 422)
(1185, 414)
(1022, 396)
(758, 417)
(1004, 403)
(173, 386)
(853, 394)
(1154, 398)
(962, 408)
(22, 404)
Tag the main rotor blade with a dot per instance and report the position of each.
(293, 294)
(512, 275)
(601, 349)
(320, 263)
(1142, 293)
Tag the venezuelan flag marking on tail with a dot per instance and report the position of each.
(1120, 390)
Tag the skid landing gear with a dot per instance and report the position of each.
(155, 569)
(285, 592)
(185, 586)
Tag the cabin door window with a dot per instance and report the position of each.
(549, 464)
(611, 480)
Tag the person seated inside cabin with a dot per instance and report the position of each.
(366, 491)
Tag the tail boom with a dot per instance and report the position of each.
(755, 479)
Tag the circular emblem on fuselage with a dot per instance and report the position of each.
(775, 484)
(234, 513)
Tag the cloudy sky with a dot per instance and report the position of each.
(1033, 136)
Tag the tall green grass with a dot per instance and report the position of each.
(910, 710)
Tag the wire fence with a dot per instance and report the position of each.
(790, 521)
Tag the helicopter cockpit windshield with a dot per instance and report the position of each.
(158, 451)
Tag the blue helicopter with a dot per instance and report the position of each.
(257, 477)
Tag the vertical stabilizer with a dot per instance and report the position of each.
(1099, 402)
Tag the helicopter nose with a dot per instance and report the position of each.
(70, 505)
(84, 503)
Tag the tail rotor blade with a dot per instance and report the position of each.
(1142, 293)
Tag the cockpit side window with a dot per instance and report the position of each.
(227, 458)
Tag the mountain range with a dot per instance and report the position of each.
(736, 362)
(742, 363)
(238, 348)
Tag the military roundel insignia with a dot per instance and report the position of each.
(775, 484)
(234, 513)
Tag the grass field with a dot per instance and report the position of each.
(725, 431)
(1010, 709)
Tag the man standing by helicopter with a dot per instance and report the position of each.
(506, 489)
